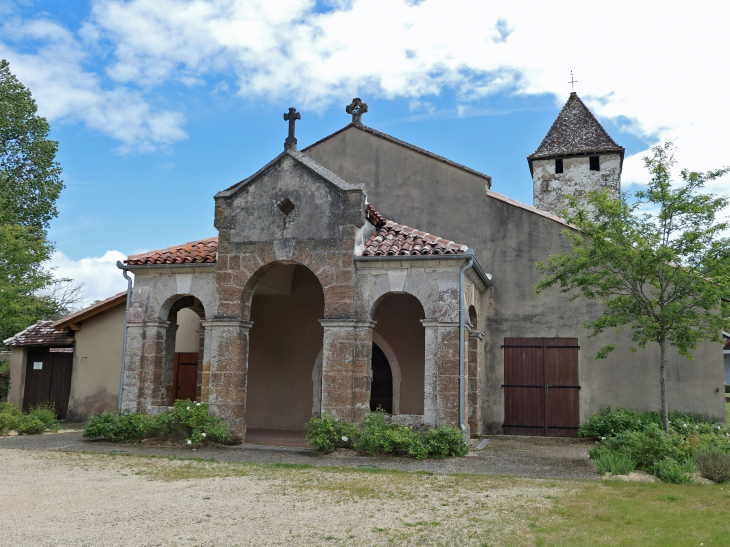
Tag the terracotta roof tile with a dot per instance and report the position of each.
(41, 333)
(393, 239)
(194, 252)
(575, 131)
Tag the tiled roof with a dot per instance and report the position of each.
(90, 311)
(201, 251)
(41, 333)
(393, 239)
(575, 131)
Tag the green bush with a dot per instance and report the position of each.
(192, 418)
(37, 421)
(118, 427)
(674, 471)
(713, 463)
(376, 436)
(614, 463)
(727, 388)
(10, 417)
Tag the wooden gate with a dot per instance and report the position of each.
(185, 376)
(48, 380)
(541, 387)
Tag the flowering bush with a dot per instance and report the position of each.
(186, 416)
(38, 420)
(376, 436)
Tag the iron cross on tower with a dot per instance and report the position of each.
(291, 117)
(572, 82)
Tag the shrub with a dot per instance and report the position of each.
(727, 388)
(608, 422)
(713, 463)
(616, 464)
(46, 414)
(646, 447)
(120, 426)
(376, 436)
(30, 425)
(193, 418)
(674, 471)
(10, 417)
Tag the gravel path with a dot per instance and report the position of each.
(535, 457)
(79, 499)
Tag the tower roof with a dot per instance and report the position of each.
(575, 131)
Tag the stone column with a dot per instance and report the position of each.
(346, 357)
(474, 387)
(201, 355)
(166, 389)
(441, 386)
(227, 373)
(144, 365)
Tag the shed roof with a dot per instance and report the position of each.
(90, 311)
(41, 333)
(575, 131)
(193, 252)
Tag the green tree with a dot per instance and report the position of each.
(30, 184)
(662, 273)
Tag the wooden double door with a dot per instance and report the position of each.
(48, 380)
(541, 387)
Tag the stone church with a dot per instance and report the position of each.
(364, 272)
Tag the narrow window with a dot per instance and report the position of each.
(558, 166)
(595, 164)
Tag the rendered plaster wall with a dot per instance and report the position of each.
(577, 179)
(97, 364)
(507, 240)
(17, 374)
(398, 319)
(187, 339)
(285, 339)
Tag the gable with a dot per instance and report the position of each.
(293, 197)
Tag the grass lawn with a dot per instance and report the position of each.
(342, 507)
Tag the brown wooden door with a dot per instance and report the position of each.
(186, 376)
(541, 386)
(48, 381)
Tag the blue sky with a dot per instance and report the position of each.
(158, 104)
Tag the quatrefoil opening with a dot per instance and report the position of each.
(286, 206)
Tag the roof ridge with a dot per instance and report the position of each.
(405, 144)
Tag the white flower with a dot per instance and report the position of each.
(190, 442)
(603, 438)
(203, 434)
(188, 408)
(197, 404)
(344, 439)
(684, 425)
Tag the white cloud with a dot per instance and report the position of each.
(65, 90)
(655, 65)
(100, 276)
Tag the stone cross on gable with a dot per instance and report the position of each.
(357, 108)
(291, 117)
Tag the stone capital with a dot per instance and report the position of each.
(227, 324)
(347, 324)
(476, 334)
(440, 324)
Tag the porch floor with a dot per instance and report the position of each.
(275, 437)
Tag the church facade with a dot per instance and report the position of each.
(364, 272)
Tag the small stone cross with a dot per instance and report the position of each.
(572, 82)
(291, 117)
(357, 108)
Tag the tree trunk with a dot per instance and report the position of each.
(663, 374)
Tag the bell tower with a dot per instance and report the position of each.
(575, 157)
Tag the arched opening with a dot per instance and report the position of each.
(285, 339)
(473, 320)
(184, 345)
(381, 382)
(398, 319)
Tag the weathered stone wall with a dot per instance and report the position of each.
(576, 180)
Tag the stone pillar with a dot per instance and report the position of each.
(201, 354)
(227, 374)
(474, 385)
(166, 389)
(144, 365)
(441, 385)
(346, 357)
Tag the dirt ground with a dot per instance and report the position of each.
(81, 499)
